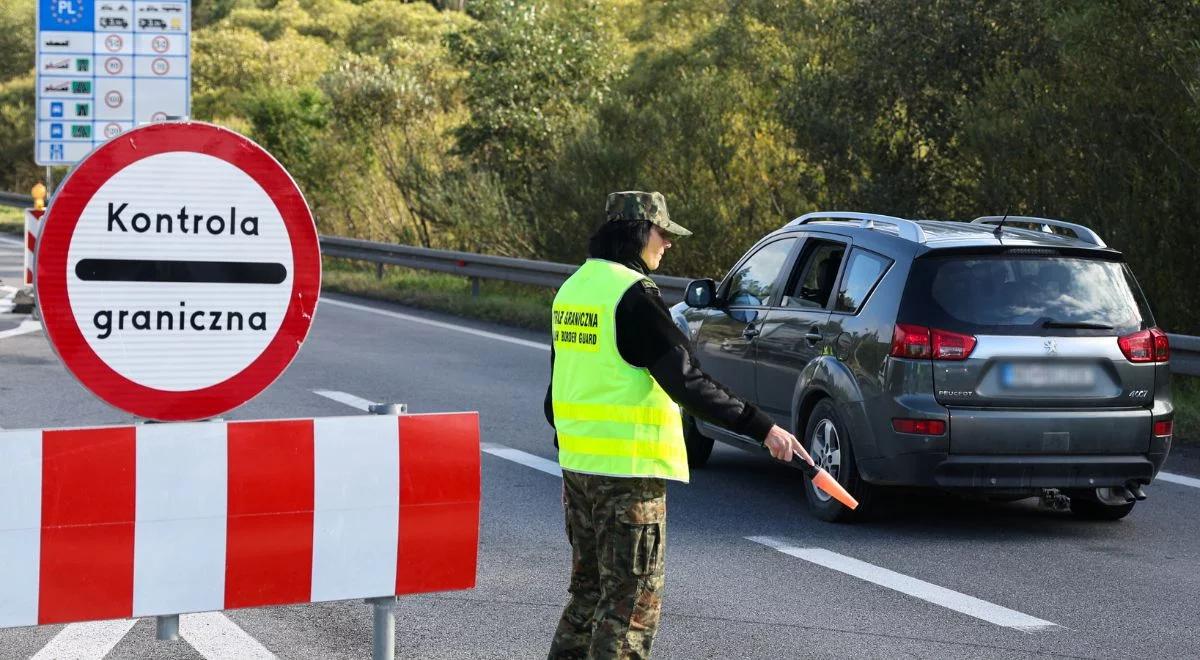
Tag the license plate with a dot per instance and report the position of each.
(1043, 376)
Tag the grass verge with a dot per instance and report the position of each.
(12, 220)
(516, 305)
(1185, 395)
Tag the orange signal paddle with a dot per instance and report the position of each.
(823, 480)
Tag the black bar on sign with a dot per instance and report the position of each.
(158, 270)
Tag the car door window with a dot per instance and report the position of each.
(815, 275)
(750, 285)
(863, 271)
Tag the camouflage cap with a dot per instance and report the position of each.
(637, 205)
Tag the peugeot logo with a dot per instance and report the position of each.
(1051, 347)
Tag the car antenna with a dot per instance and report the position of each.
(1000, 227)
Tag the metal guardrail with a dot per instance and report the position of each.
(13, 199)
(474, 266)
(1185, 354)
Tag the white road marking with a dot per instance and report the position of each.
(507, 453)
(216, 637)
(85, 641)
(438, 324)
(959, 602)
(526, 459)
(1179, 479)
(27, 326)
(348, 399)
(15, 242)
(212, 634)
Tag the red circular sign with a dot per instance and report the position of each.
(154, 226)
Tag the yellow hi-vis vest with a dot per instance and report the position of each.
(612, 418)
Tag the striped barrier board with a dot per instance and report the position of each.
(154, 519)
(32, 218)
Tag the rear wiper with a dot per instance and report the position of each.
(1082, 325)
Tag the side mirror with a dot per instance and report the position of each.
(700, 293)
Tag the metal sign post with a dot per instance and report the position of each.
(383, 637)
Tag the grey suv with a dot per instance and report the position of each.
(1011, 357)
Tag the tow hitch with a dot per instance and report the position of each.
(1053, 499)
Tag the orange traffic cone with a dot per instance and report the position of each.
(823, 480)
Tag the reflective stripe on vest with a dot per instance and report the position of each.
(612, 418)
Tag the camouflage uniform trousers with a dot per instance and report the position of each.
(617, 530)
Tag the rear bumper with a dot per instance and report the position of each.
(1041, 471)
(942, 470)
(1049, 432)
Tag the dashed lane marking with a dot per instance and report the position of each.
(85, 641)
(438, 324)
(501, 451)
(348, 399)
(216, 637)
(931, 593)
(1179, 479)
(524, 458)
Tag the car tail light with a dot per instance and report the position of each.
(1162, 346)
(1163, 428)
(951, 345)
(1149, 345)
(911, 341)
(920, 426)
(917, 341)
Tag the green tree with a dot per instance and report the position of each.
(1104, 129)
(697, 121)
(16, 38)
(535, 71)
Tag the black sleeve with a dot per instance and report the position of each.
(647, 337)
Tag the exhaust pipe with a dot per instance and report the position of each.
(1135, 489)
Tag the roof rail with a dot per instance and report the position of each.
(906, 228)
(1082, 233)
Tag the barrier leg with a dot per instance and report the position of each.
(384, 637)
(166, 627)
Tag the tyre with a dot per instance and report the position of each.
(829, 444)
(1100, 504)
(699, 447)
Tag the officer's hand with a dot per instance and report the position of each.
(783, 444)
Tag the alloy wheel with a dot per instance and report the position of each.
(826, 449)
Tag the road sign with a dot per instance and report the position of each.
(178, 271)
(105, 66)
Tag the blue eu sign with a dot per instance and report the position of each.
(56, 131)
(56, 109)
(66, 15)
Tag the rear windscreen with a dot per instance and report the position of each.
(1009, 294)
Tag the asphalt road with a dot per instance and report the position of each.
(1099, 590)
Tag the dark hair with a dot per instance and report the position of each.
(619, 240)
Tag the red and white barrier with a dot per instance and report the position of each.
(32, 218)
(114, 522)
